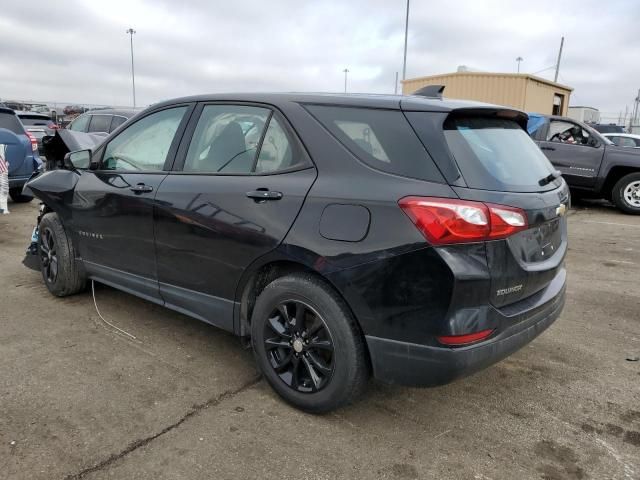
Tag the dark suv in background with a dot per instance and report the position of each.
(416, 238)
(21, 153)
(105, 120)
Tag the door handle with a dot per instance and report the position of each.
(141, 188)
(263, 194)
(548, 148)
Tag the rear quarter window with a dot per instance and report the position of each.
(10, 122)
(382, 139)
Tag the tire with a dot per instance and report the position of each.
(55, 248)
(626, 193)
(17, 197)
(341, 374)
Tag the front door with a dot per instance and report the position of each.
(112, 208)
(571, 150)
(237, 189)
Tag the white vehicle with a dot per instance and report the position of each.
(624, 139)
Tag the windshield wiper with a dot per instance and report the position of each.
(549, 178)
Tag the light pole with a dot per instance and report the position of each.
(406, 34)
(131, 31)
(519, 59)
(346, 70)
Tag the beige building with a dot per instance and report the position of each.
(519, 90)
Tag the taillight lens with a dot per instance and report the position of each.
(446, 220)
(34, 142)
(466, 339)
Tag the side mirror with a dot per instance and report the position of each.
(80, 159)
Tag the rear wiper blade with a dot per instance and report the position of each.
(549, 178)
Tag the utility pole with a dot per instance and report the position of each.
(346, 70)
(395, 85)
(406, 35)
(519, 59)
(555, 79)
(131, 31)
(635, 110)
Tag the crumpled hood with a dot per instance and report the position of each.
(64, 141)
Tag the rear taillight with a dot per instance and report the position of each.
(446, 220)
(34, 142)
(466, 339)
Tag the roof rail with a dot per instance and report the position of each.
(430, 91)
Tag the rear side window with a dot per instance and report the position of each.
(383, 139)
(496, 154)
(11, 123)
(100, 123)
(116, 121)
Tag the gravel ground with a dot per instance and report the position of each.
(183, 400)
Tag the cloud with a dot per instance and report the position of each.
(78, 51)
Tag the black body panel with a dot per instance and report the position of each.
(197, 242)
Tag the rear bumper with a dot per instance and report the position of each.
(416, 365)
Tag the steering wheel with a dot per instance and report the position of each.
(120, 158)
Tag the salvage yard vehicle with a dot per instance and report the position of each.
(624, 139)
(22, 153)
(39, 125)
(104, 120)
(415, 239)
(592, 165)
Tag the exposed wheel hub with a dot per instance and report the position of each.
(298, 345)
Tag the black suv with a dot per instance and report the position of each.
(592, 165)
(418, 239)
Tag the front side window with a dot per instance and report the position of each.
(99, 123)
(145, 144)
(80, 124)
(567, 132)
(226, 139)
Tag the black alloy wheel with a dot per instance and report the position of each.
(299, 346)
(48, 255)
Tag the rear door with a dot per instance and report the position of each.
(570, 149)
(112, 208)
(240, 180)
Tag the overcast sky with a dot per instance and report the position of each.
(78, 51)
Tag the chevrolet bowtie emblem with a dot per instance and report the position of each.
(561, 210)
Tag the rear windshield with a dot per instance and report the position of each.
(383, 139)
(31, 120)
(496, 154)
(11, 123)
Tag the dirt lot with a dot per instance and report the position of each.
(183, 400)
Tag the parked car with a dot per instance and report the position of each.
(420, 239)
(624, 139)
(22, 153)
(590, 163)
(608, 128)
(38, 124)
(104, 120)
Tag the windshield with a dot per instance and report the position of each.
(496, 154)
(31, 120)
